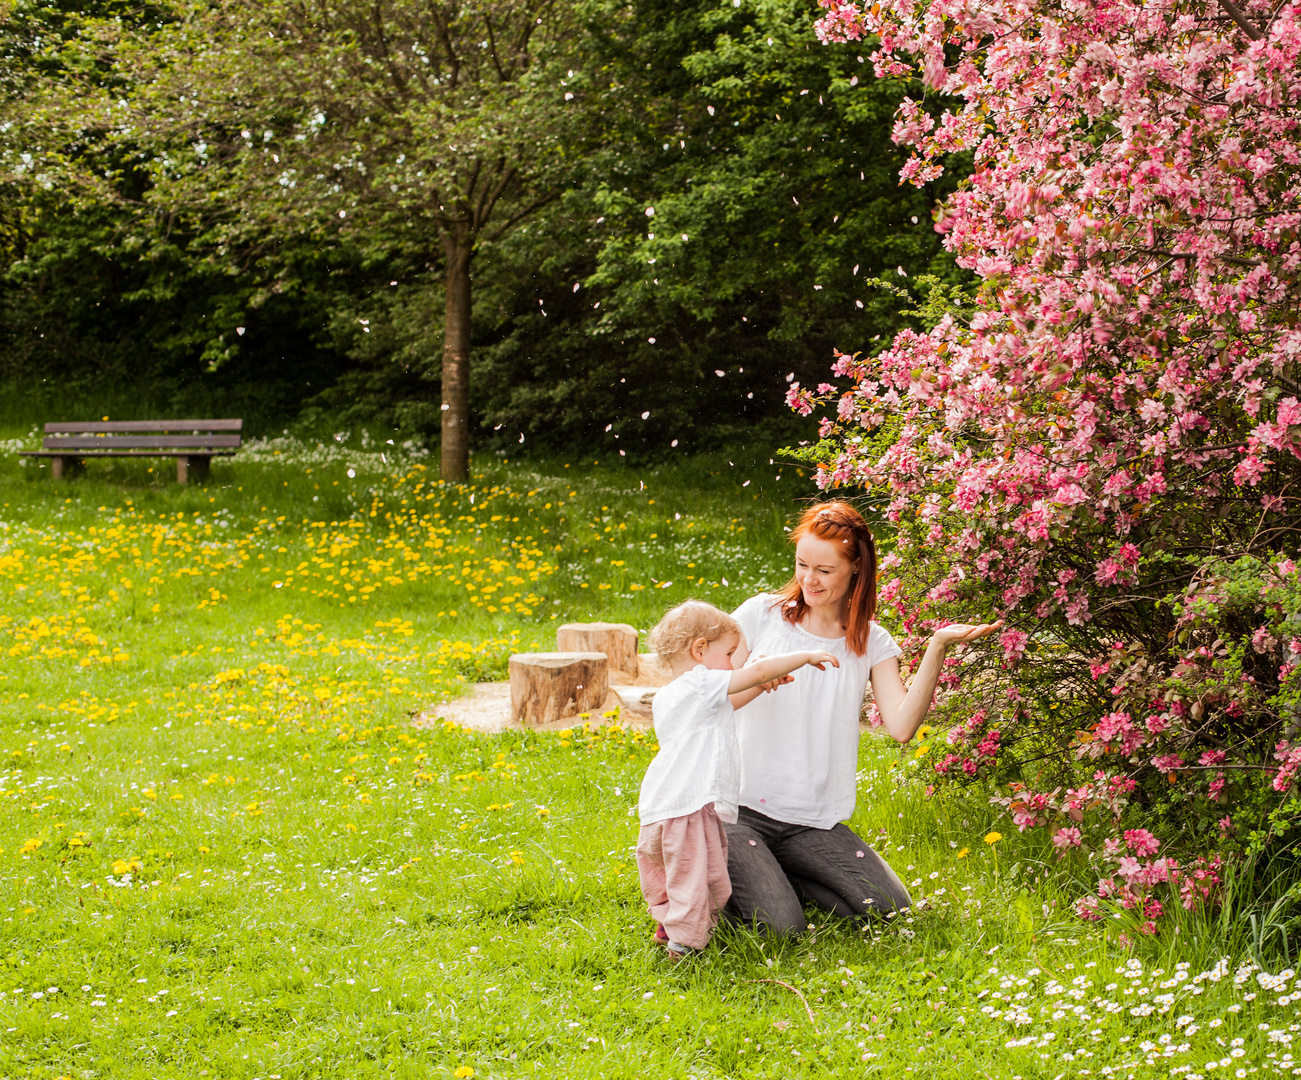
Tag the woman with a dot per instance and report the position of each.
(799, 744)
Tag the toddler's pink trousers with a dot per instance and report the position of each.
(683, 866)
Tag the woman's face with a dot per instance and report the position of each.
(823, 571)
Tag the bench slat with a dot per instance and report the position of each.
(124, 453)
(88, 427)
(138, 442)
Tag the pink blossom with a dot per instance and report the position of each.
(1129, 867)
(1023, 819)
(1263, 641)
(1250, 471)
(799, 400)
(946, 763)
(1141, 842)
(1086, 908)
(1108, 572)
(1014, 643)
(1068, 837)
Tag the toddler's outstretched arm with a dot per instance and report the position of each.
(747, 682)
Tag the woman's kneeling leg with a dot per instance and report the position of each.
(762, 897)
(838, 872)
(817, 894)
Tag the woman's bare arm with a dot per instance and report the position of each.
(903, 709)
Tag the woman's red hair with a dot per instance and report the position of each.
(839, 523)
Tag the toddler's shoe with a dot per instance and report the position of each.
(661, 935)
(676, 952)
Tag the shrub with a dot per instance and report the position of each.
(1102, 443)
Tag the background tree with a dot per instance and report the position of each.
(206, 214)
(771, 155)
(432, 128)
(108, 303)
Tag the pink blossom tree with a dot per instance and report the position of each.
(1102, 443)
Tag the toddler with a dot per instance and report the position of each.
(693, 785)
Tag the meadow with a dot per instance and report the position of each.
(227, 851)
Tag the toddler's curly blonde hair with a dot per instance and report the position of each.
(683, 624)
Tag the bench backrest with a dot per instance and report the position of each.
(144, 435)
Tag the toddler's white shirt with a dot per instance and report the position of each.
(799, 743)
(697, 763)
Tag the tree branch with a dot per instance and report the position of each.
(488, 198)
(1240, 17)
(505, 226)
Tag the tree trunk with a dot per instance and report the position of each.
(455, 455)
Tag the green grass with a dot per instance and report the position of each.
(251, 864)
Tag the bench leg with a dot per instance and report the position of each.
(58, 467)
(195, 466)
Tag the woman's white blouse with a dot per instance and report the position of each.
(799, 743)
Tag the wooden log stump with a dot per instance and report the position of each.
(550, 686)
(636, 702)
(618, 641)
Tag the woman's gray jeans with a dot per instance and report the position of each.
(776, 867)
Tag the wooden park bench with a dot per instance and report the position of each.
(194, 443)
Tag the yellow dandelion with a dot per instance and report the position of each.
(964, 853)
(462, 1072)
(993, 838)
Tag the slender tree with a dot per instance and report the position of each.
(431, 127)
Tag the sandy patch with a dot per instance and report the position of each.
(486, 707)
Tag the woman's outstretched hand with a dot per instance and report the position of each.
(962, 633)
(772, 684)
